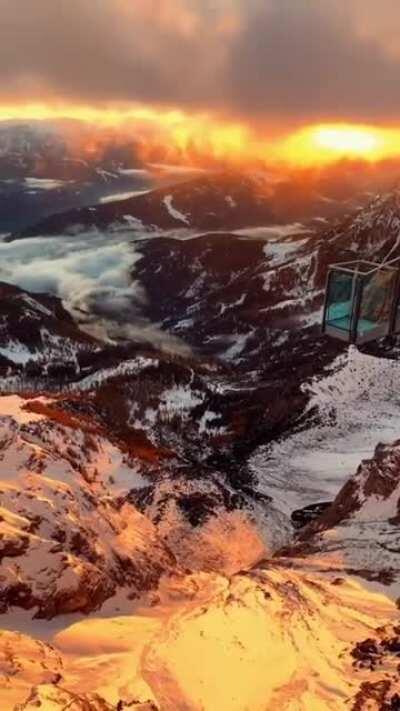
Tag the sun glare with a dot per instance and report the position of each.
(327, 143)
(348, 141)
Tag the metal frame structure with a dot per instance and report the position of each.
(361, 271)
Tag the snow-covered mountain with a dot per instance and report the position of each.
(51, 172)
(62, 150)
(35, 330)
(219, 200)
(214, 528)
(208, 202)
(45, 169)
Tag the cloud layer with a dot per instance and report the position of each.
(92, 274)
(297, 59)
(88, 271)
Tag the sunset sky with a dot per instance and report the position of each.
(261, 69)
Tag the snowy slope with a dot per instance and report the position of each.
(360, 532)
(65, 542)
(36, 330)
(277, 637)
(351, 408)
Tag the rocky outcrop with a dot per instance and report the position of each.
(373, 493)
(360, 532)
(67, 540)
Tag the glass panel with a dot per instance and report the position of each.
(376, 302)
(339, 300)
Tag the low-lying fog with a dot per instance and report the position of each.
(92, 274)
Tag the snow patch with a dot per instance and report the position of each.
(18, 353)
(273, 231)
(129, 367)
(239, 343)
(44, 183)
(173, 211)
(280, 252)
(117, 197)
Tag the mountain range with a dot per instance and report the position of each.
(205, 518)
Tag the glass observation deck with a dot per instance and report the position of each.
(362, 302)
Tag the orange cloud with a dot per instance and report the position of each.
(202, 136)
(261, 59)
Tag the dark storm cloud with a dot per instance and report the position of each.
(101, 50)
(289, 58)
(306, 58)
